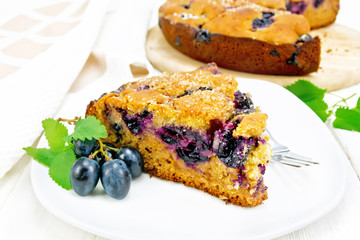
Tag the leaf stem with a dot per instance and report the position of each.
(104, 153)
(114, 149)
(337, 104)
(92, 156)
(342, 100)
(69, 121)
(103, 150)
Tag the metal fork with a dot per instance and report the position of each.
(282, 154)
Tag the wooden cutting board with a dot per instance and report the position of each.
(339, 67)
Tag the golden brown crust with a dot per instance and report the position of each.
(194, 110)
(244, 54)
(251, 125)
(277, 4)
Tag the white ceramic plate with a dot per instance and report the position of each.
(157, 209)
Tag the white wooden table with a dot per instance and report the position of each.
(23, 217)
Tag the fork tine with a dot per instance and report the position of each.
(282, 154)
(280, 150)
(294, 161)
(299, 158)
(281, 161)
(289, 161)
(293, 155)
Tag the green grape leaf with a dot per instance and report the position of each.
(55, 132)
(88, 128)
(320, 108)
(312, 96)
(306, 91)
(60, 156)
(42, 155)
(347, 119)
(60, 167)
(358, 105)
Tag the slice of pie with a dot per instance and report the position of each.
(192, 127)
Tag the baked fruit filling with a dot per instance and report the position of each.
(195, 128)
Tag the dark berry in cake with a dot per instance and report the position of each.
(293, 59)
(187, 6)
(262, 168)
(242, 101)
(203, 35)
(143, 87)
(317, 3)
(189, 145)
(266, 20)
(177, 41)
(296, 7)
(136, 122)
(274, 53)
(304, 38)
(188, 92)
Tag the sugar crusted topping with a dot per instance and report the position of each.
(235, 18)
(190, 99)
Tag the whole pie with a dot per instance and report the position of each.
(256, 36)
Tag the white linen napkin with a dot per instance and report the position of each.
(42, 51)
(37, 90)
(122, 38)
